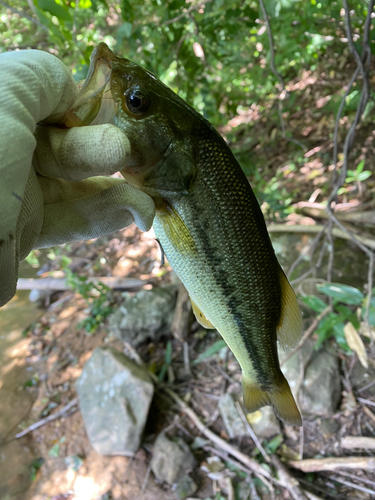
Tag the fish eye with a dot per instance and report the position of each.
(136, 101)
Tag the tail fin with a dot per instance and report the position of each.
(281, 399)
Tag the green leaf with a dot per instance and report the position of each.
(360, 166)
(55, 10)
(125, 30)
(274, 443)
(54, 451)
(210, 351)
(162, 372)
(315, 303)
(168, 353)
(342, 293)
(364, 175)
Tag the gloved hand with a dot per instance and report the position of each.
(46, 197)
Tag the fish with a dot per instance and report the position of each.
(208, 221)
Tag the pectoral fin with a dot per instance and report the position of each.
(289, 329)
(200, 317)
(280, 398)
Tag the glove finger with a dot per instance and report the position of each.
(96, 214)
(80, 152)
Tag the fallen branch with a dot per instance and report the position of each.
(352, 485)
(286, 480)
(50, 418)
(55, 284)
(247, 461)
(334, 463)
(317, 228)
(352, 442)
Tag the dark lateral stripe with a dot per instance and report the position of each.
(222, 281)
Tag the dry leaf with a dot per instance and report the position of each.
(355, 343)
(366, 331)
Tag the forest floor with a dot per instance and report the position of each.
(69, 468)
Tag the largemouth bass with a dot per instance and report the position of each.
(208, 221)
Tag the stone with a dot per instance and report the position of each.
(264, 422)
(172, 459)
(231, 418)
(321, 388)
(320, 392)
(329, 427)
(185, 488)
(114, 396)
(145, 315)
(361, 377)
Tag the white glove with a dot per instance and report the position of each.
(44, 200)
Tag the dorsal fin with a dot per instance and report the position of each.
(289, 329)
(201, 318)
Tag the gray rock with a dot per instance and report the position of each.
(361, 377)
(231, 418)
(172, 459)
(185, 488)
(320, 391)
(114, 397)
(144, 315)
(329, 427)
(321, 388)
(292, 369)
(265, 423)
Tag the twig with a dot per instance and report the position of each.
(312, 248)
(251, 464)
(318, 228)
(352, 442)
(247, 461)
(369, 413)
(288, 480)
(145, 481)
(252, 433)
(61, 283)
(358, 478)
(307, 334)
(301, 442)
(366, 401)
(352, 485)
(283, 93)
(50, 418)
(334, 463)
(240, 466)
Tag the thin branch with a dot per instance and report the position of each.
(334, 463)
(352, 485)
(252, 433)
(50, 418)
(338, 233)
(286, 480)
(338, 180)
(283, 92)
